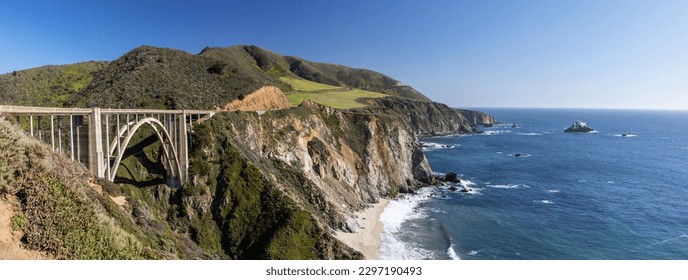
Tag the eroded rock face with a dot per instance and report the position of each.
(579, 126)
(350, 159)
(328, 163)
(263, 99)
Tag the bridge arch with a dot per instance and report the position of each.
(171, 157)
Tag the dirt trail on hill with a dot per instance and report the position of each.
(10, 244)
(265, 98)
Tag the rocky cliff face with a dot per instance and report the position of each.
(429, 118)
(311, 167)
(476, 117)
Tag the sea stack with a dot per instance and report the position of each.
(579, 126)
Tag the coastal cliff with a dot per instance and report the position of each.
(430, 118)
(274, 185)
(326, 164)
(477, 117)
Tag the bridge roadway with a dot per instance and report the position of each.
(99, 137)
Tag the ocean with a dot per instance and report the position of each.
(596, 195)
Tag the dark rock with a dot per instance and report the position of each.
(520, 155)
(453, 188)
(624, 135)
(452, 177)
(488, 125)
(465, 190)
(579, 126)
(514, 126)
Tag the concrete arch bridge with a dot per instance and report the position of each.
(98, 138)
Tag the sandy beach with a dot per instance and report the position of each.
(366, 239)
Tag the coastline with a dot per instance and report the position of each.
(367, 238)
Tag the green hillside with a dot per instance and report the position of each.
(48, 85)
(151, 77)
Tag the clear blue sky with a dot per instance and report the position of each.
(609, 54)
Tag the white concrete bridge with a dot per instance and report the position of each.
(99, 137)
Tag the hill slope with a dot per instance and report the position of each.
(48, 85)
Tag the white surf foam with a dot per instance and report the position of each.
(553, 191)
(514, 186)
(529, 134)
(622, 135)
(495, 132)
(451, 253)
(473, 252)
(544, 201)
(670, 239)
(470, 186)
(396, 213)
(430, 146)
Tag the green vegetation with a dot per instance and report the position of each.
(299, 84)
(47, 85)
(17, 222)
(332, 96)
(345, 99)
(60, 213)
(249, 208)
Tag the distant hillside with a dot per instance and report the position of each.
(149, 77)
(48, 85)
(331, 74)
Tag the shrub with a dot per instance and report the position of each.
(17, 222)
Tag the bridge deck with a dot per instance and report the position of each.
(83, 111)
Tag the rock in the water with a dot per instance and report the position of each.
(452, 177)
(521, 155)
(464, 189)
(452, 188)
(624, 135)
(579, 126)
(514, 126)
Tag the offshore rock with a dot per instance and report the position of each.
(579, 126)
(452, 177)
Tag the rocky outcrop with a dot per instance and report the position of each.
(452, 177)
(263, 99)
(425, 118)
(579, 126)
(477, 118)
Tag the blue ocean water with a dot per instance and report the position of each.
(575, 196)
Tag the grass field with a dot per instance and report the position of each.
(345, 99)
(332, 96)
(304, 85)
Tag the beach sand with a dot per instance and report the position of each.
(366, 239)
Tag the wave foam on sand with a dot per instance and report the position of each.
(395, 214)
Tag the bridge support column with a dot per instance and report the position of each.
(95, 144)
(183, 152)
